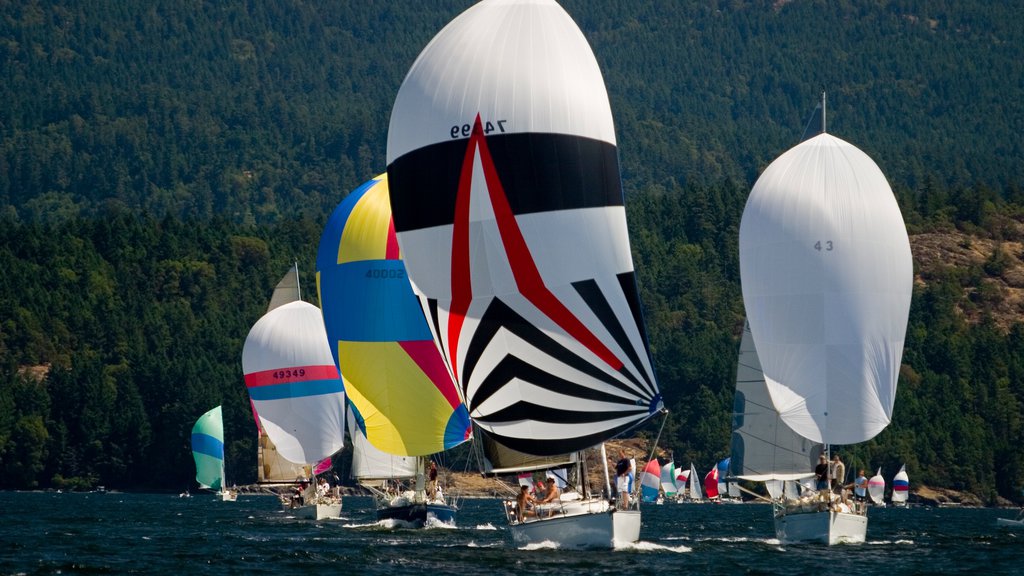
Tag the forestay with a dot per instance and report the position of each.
(405, 399)
(505, 189)
(827, 277)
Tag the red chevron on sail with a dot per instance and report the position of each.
(524, 269)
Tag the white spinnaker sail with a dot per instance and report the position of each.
(827, 278)
(876, 487)
(294, 384)
(763, 447)
(900, 486)
(506, 197)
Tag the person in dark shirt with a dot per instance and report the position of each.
(821, 473)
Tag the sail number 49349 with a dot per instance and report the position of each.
(466, 129)
(826, 245)
(289, 373)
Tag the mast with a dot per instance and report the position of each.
(298, 288)
(823, 125)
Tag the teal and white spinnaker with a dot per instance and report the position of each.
(208, 449)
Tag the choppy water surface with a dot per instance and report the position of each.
(115, 533)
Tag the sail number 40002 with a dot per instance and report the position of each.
(466, 129)
(384, 273)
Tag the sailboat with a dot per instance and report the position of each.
(508, 206)
(711, 485)
(764, 449)
(273, 471)
(208, 452)
(900, 487)
(650, 482)
(827, 278)
(876, 489)
(298, 395)
(694, 493)
(402, 396)
(668, 480)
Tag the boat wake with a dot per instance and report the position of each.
(433, 523)
(642, 546)
(487, 526)
(545, 545)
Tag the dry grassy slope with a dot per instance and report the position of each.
(1001, 294)
(474, 485)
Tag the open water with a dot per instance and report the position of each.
(115, 533)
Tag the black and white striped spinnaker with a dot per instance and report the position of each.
(508, 206)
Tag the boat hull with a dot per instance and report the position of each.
(418, 513)
(227, 496)
(1016, 524)
(580, 526)
(319, 511)
(825, 527)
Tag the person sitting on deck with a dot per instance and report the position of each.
(524, 503)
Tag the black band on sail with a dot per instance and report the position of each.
(540, 173)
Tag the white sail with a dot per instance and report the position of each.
(900, 486)
(763, 447)
(293, 383)
(695, 490)
(287, 289)
(876, 487)
(507, 201)
(827, 277)
(370, 464)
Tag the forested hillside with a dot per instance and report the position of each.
(162, 163)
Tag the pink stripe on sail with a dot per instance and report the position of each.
(323, 466)
(291, 374)
(424, 353)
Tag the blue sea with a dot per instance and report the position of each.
(125, 533)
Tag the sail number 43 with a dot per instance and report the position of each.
(466, 129)
(826, 245)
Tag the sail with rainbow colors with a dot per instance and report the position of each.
(397, 383)
(293, 383)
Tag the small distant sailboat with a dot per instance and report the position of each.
(827, 277)
(695, 493)
(650, 482)
(298, 395)
(402, 396)
(876, 489)
(711, 484)
(208, 452)
(668, 480)
(900, 487)
(507, 201)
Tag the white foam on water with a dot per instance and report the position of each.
(487, 526)
(642, 546)
(545, 545)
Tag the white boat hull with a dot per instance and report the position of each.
(592, 524)
(1017, 524)
(227, 496)
(318, 511)
(821, 527)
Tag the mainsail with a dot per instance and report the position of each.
(504, 183)
(371, 466)
(827, 279)
(293, 383)
(404, 396)
(208, 449)
(763, 447)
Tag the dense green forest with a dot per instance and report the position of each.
(162, 163)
